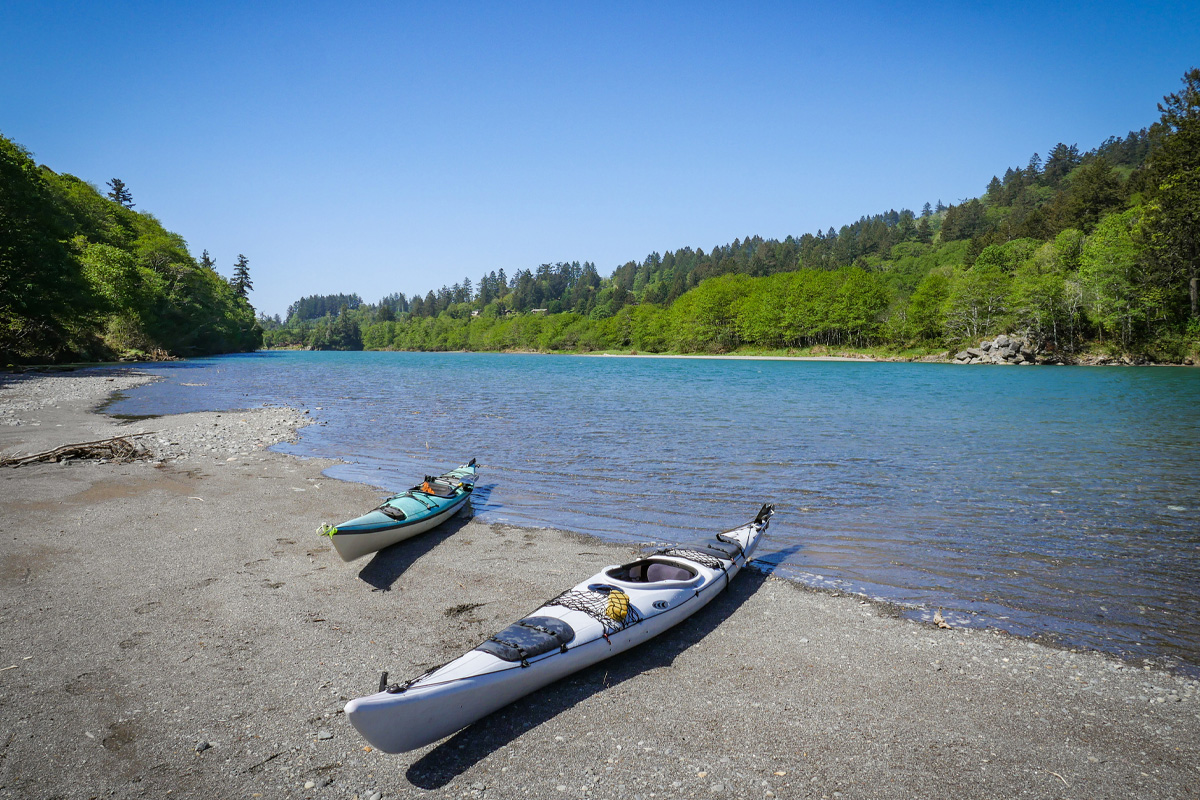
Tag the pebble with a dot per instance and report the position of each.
(309, 785)
(375, 796)
(181, 435)
(201, 746)
(324, 734)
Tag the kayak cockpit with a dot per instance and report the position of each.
(652, 571)
(436, 487)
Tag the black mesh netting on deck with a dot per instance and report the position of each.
(703, 559)
(608, 606)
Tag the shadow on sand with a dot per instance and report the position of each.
(474, 743)
(391, 562)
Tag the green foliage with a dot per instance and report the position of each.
(114, 277)
(1173, 215)
(119, 193)
(1102, 243)
(86, 277)
(763, 311)
(41, 288)
(1108, 271)
(317, 306)
(926, 314)
(706, 317)
(977, 302)
(1091, 191)
(1045, 305)
(240, 282)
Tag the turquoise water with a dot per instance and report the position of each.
(1056, 501)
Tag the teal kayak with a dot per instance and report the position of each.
(425, 506)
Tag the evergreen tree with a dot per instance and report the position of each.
(120, 193)
(926, 210)
(1035, 166)
(995, 190)
(924, 232)
(241, 276)
(1173, 217)
(1062, 159)
(1093, 191)
(485, 289)
(206, 261)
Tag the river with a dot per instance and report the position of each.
(1061, 502)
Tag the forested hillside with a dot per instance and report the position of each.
(1093, 250)
(85, 277)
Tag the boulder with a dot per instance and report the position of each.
(1003, 349)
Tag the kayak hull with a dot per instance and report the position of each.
(419, 511)
(351, 545)
(478, 683)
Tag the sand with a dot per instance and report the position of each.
(177, 626)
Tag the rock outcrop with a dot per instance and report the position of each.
(1001, 350)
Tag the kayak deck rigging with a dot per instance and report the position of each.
(617, 608)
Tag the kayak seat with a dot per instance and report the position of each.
(650, 571)
(658, 571)
(529, 637)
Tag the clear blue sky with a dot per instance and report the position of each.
(374, 148)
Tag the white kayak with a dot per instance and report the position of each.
(619, 607)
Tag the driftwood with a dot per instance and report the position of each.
(118, 448)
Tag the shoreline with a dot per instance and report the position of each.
(942, 358)
(1089, 361)
(151, 607)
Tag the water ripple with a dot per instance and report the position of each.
(1055, 501)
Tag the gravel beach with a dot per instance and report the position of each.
(175, 626)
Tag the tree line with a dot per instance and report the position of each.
(1082, 249)
(83, 276)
